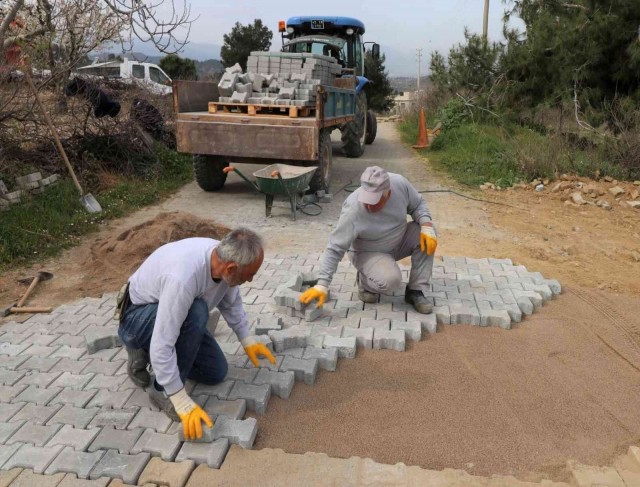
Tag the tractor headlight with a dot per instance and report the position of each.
(349, 31)
(290, 30)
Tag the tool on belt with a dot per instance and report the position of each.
(122, 302)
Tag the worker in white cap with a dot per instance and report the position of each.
(373, 229)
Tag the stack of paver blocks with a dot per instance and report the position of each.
(64, 409)
(283, 79)
(31, 183)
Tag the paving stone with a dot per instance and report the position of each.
(10, 377)
(6, 452)
(74, 341)
(311, 313)
(235, 409)
(15, 338)
(115, 439)
(100, 338)
(40, 379)
(346, 345)
(304, 369)
(513, 309)
(33, 434)
(264, 363)
(241, 374)
(41, 364)
(76, 417)
(27, 478)
(37, 395)
(70, 480)
(293, 352)
(98, 366)
(124, 467)
(161, 445)
(72, 461)
(70, 365)
(13, 362)
(112, 418)
(281, 382)
(221, 390)
(72, 381)
(376, 324)
(155, 420)
(393, 339)
(140, 399)
(257, 397)
(532, 296)
(69, 352)
(101, 381)
(8, 477)
(106, 354)
(12, 350)
(465, 316)
(319, 330)
(7, 410)
(78, 399)
(78, 439)
(238, 432)
(211, 454)
(364, 336)
(39, 351)
(230, 348)
(412, 329)
(8, 429)
(327, 357)
(42, 340)
(493, 317)
(265, 324)
(174, 474)
(443, 315)
(36, 414)
(37, 458)
(293, 337)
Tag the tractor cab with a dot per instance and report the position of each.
(337, 37)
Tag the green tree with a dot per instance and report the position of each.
(379, 91)
(179, 68)
(243, 39)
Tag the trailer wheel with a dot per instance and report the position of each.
(209, 171)
(354, 133)
(372, 127)
(322, 177)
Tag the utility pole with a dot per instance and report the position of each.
(485, 23)
(419, 55)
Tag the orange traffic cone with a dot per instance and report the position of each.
(423, 139)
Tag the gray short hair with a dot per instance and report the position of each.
(242, 246)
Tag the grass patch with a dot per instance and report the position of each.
(475, 153)
(44, 224)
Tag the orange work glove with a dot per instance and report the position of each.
(318, 292)
(428, 240)
(190, 414)
(253, 349)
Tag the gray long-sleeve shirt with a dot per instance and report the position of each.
(361, 231)
(173, 276)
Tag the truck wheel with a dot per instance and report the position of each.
(208, 170)
(322, 177)
(354, 133)
(372, 127)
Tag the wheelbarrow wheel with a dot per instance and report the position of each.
(209, 171)
(322, 177)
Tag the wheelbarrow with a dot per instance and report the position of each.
(279, 179)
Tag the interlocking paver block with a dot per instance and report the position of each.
(101, 381)
(412, 329)
(532, 296)
(41, 364)
(39, 350)
(70, 480)
(100, 338)
(513, 309)
(8, 429)
(36, 414)
(69, 340)
(98, 366)
(113, 439)
(10, 377)
(327, 357)
(443, 315)
(34, 434)
(72, 381)
(377, 324)
(212, 454)
(40, 379)
(491, 317)
(312, 313)
(265, 324)
(465, 316)
(219, 407)
(346, 345)
(72, 461)
(78, 399)
(140, 398)
(241, 374)
(27, 478)
(155, 420)
(221, 390)
(364, 336)
(7, 411)
(393, 339)
(281, 382)
(76, 417)
(7, 477)
(6, 452)
(257, 397)
(70, 365)
(78, 439)
(319, 330)
(264, 363)
(124, 467)
(304, 369)
(14, 362)
(293, 337)
(37, 458)
(104, 354)
(173, 474)
(113, 417)
(37, 395)
(165, 446)
(69, 352)
(238, 432)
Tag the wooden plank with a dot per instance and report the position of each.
(260, 119)
(293, 112)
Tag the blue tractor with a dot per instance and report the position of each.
(340, 38)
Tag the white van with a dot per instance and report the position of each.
(146, 75)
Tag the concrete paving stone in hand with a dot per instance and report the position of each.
(211, 454)
(346, 345)
(235, 409)
(78, 439)
(327, 357)
(124, 467)
(257, 397)
(364, 336)
(221, 390)
(281, 382)
(40, 364)
(78, 399)
(101, 381)
(174, 474)
(8, 410)
(163, 445)
(72, 461)
(33, 434)
(393, 340)
(37, 395)
(37, 458)
(238, 432)
(10, 377)
(114, 439)
(36, 414)
(412, 329)
(304, 369)
(100, 338)
(76, 417)
(8, 429)
(148, 419)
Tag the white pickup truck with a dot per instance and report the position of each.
(147, 75)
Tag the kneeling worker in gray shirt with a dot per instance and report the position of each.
(164, 314)
(373, 229)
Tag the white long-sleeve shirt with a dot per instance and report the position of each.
(173, 276)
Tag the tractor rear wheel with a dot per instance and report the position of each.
(322, 177)
(209, 171)
(354, 133)
(372, 127)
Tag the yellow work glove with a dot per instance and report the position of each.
(428, 240)
(253, 348)
(190, 414)
(318, 292)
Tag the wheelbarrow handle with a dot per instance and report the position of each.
(229, 169)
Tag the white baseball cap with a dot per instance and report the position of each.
(373, 183)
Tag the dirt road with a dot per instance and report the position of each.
(563, 384)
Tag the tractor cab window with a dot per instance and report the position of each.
(337, 51)
(359, 55)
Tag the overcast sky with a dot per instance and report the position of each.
(400, 26)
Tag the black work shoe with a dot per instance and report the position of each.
(418, 300)
(367, 297)
(162, 401)
(137, 363)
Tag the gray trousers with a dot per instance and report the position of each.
(379, 272)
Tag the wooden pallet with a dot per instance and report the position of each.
(254, 109)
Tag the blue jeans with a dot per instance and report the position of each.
(199, 355)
